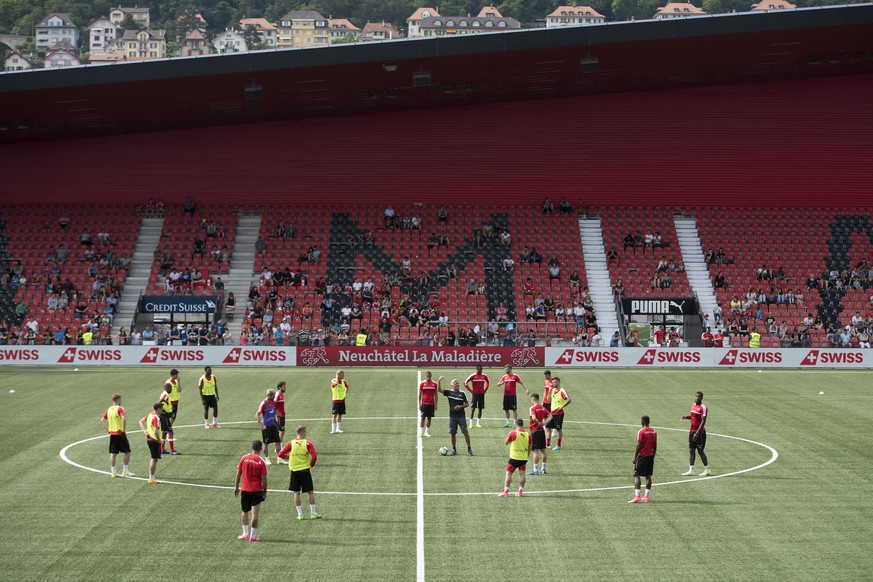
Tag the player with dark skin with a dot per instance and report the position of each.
(456, 386)
(644, 421)
(698, 399)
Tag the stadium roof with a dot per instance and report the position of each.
(422, 73)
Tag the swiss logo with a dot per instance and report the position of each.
(729, 358)
(150, 356)
(811, 358)
(566, 357)
(233, 356)
(647, 359)
(68, 356)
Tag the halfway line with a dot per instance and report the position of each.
(419, 499)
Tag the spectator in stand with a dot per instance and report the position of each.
(505, 238)
(433, 241)
(442, 214)
(628, 242)
(720, 257)
(451, 271)
(657, 242)
(618, 289)
(64, 221)
(524, 255)
(564, 206)
(188, 206)
(612, 254)
(502, 313)
(535, 256)
(575, 281)
(508, 264)
(548, 207)
(390, 217)
(719, 282)
(260, 246)
(85, 239)
(415, 223)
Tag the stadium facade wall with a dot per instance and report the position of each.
(780, 143)
(635, 358)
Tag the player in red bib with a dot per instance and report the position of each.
(697, 436)
(510, 402)
(644, 459)
(539, 417)
(426, 403)
(477, 385)
(280, 409)
(252, 471)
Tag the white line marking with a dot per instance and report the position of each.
(774, 455)
(419, 499)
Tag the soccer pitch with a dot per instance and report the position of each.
(804, 516)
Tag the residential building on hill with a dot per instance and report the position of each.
(17, 62)
(340, 28)
(61, 55)
(300, 28)
(678, 10)
(771, 5)
(56, 28)
(489, 19)
(376, 31)
(195, 44)
(574, 15)
(139, 15)
(230, 41)
(266, 30)
(141, 45)
(102, 34)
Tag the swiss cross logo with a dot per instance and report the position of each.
(811, 358)
(524, 356)
(68, 356)
(566, 357)
(729, 358)
(647, 358)
(150, 356)
(233, 356)
(313, 356)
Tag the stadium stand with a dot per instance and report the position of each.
(211, 229)
(63, 256)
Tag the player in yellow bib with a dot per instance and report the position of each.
(151, 426)
(338, 390)
(209, 396)
(519, 451)
(301, 456)
(115, 423)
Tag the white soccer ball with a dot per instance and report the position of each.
(820, 393)
(12, 391)
(75, 369)
(444, 451)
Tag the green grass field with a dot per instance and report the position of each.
(807, 516)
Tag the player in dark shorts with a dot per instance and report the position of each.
(539, 418)
(697, 436)
(268, 419)
(301, 456)
(477, 385)
(458, 404)
(151, 426)
(251, 481)
(644, 459)
(115, 423)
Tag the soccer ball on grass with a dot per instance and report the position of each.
(444, 451)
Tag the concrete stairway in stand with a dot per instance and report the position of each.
(140, 270)
(696, 269)
(241, 274)
(597, 272)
